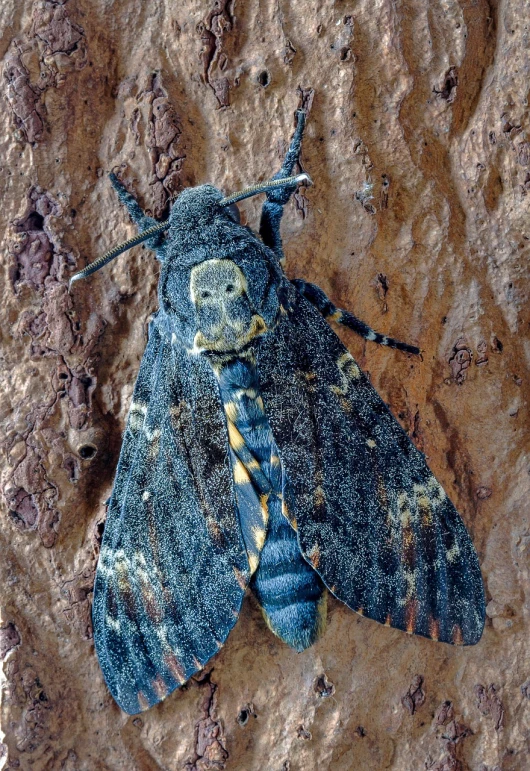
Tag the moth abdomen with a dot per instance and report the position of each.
(289, 591)
(292, 596)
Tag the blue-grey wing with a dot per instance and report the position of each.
(173, 568)
(372, 519)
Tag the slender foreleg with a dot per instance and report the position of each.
(272, 211)
(140, 219)
(322, 303)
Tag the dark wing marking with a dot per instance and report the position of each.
(173, 568)
(372, 520)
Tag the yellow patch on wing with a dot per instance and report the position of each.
(382, 494)
(143, 701)
(137, 414)
(436, 490)
(411, 611)
(159, 687)
(150, 603)
(424, 507)
(154, 444)
(371, 443)
(388, 620)
(347, 364)
(319, 497)
(434, 628)
(313, 555)
(452, 553)
(346, 405)
(410, 580)
(241, 579)
(457, 635)
(404, 516)
(122, 573)
(114, 623)
(348, 371)
(175, 667)
(408, 544)
(213, 528)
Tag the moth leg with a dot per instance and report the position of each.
(272, 211)
(141, 220)
(322, 303)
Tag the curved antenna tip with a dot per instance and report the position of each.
(304, 178)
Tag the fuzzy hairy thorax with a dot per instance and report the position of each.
(220, 286)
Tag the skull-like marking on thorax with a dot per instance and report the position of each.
(225, 318)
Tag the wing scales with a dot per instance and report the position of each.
(172, 569)
(372, 519)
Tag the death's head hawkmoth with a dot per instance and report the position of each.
(258, 454)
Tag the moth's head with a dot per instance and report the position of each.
(219, 283)
(220, 287)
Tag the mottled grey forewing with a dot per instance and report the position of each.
(372, 519)
(173, 568)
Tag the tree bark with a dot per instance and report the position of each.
(417, 221)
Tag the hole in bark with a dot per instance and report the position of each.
(35, 221)
(323, 687)
(497, 345)
(243, 716)
(264, 78)
(98, 535)
(87, 451)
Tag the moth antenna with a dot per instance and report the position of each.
(117, 250)
(263, 187)
(246, 193)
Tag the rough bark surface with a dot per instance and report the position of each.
(418, 221)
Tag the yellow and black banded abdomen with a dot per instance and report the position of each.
(290, 592)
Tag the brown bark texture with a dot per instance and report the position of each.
(418, 221)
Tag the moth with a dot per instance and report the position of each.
(257, 454)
